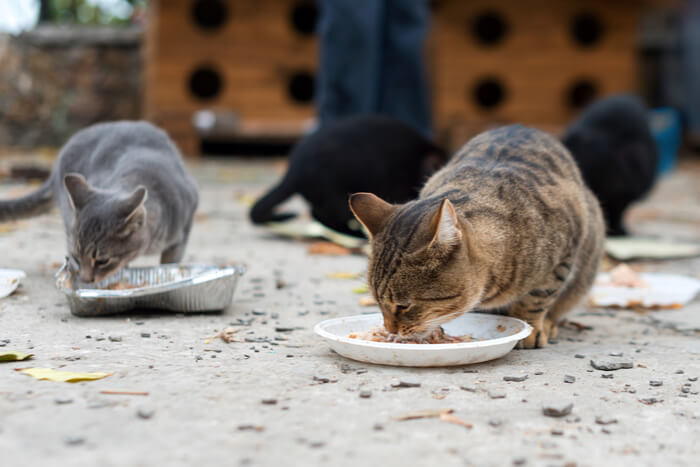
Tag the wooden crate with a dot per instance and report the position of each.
(538, 62)
(255, 53)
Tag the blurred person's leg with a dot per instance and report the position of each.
(404, 88)
(691, 67)
(350, 34)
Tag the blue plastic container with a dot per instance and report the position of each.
(665, 123)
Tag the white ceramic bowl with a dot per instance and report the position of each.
(498, 335)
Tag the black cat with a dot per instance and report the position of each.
(373, 154)
(615, 150)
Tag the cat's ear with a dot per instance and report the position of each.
(131, 205)
(134, 212)
(78, 190)
(370, 210)
(448, 232)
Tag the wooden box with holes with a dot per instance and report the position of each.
(250, 65)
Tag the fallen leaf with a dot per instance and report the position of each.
(62, 376)
(14, 356)
(328, 248)
(225, 335)
(124, 393)
(360, 289)
(247, 200)
(367, 301)
(343, 275)
(446, 417)
(431, 413)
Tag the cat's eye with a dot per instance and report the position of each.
(400, 308)
(100, 262)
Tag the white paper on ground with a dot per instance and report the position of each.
(9, 281)
(664, 291)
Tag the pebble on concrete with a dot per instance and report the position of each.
(145, 414)
(557, 408)
(515, 379)
(405, 384)
(612, 365)
(604, 420)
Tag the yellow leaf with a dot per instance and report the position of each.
(14, 356)
(62, 376)
(343, 275)
(361, 289)
(247, 200)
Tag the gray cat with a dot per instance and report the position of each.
(123, 191)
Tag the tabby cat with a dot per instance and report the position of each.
(614, 147)
(507, 223)
(123, 190)
(365, 153)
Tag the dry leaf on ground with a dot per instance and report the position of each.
(360, 289)
(430, 413)
(62, 376)
(343, 275)
(446, 417)
(225, 335)
(328, 248)
(14, 356)
(246, 199)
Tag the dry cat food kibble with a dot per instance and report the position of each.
(379, 334)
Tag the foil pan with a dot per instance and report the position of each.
(168, 287)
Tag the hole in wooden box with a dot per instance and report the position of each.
(488, 93)
(303, 17)
(490, 27)
(587, 29)
(209, 14)
(581, 93)
(301, 87)
(205, 82)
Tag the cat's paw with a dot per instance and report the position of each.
(551, 329)
(536, 340)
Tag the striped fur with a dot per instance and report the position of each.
(530, 237)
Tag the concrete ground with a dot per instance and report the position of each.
(282, 398)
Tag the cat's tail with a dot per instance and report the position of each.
(33, 204)
(262, 210)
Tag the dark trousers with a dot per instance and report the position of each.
(372, 60)
(690, 53)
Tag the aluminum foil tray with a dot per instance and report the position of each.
(169, 287)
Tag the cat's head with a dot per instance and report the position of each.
(420, 271)
(108, 230)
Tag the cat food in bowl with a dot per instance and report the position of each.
(380, 334)
(485, 337)
(168, 287)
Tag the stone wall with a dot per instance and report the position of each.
(54, 81)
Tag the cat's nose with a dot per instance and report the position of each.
(87, 276)
(390, 325)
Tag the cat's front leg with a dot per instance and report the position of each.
(533, 309)
(173, 254)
